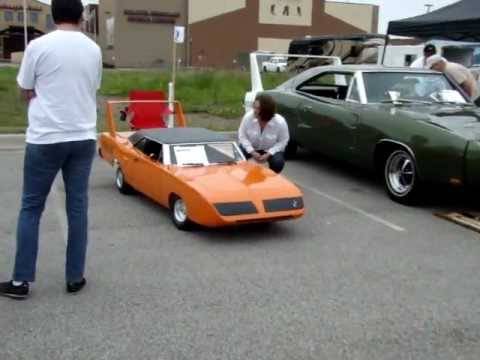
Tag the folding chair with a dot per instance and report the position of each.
(146, 115)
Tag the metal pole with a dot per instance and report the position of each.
(385, 49)
(25, 27)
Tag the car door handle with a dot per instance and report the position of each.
(307, 108)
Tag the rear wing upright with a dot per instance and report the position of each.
(176, 106)
(256, 78)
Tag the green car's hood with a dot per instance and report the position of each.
(461, 120)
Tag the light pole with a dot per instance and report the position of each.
(429, 7)
(25, 28)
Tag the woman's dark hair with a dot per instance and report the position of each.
(67, 11)
(268, 108)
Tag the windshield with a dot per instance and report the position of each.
(410, 87)
(205, 154)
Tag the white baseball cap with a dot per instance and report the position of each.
(434, 59)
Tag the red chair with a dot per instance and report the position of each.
(145, 115)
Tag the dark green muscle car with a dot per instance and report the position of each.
(413, 126)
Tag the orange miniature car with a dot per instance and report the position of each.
(200, 175)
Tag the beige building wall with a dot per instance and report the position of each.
(276, 45)
(41, 17)
(200, 10)
(286, 12)
(362, 16)
(137, 44)
(11, 15)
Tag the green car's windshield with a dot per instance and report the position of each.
(205, 154)
(410, 88)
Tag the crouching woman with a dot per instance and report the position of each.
(263, 134)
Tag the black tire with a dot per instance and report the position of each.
(400, 177)
(179, 218)
(291, 149)
(121, 183)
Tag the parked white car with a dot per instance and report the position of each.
(275, 64)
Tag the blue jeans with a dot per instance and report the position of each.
(275, 162)
(42, 164)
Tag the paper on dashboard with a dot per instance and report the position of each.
(191, 155)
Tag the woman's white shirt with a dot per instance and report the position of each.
(273, 139)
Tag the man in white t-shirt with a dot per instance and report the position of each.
(421, 62)
(59, 78)
(459, 73)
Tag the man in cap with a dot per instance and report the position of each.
(457, 72)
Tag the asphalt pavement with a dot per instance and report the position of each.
(359, 277)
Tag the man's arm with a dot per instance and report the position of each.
(26, 76)
(27, 95)
(469, 87)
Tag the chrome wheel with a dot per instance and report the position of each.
(400, 173)
(121, 184)
(119, 180)
(180, 211)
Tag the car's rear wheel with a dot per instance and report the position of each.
(179, 213)
(121, 183)
(400, 177)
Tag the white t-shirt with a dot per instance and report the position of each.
(64, 68)
(419, 63)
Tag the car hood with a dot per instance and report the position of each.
(244, 181)
(461, 120)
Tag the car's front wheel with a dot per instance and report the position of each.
(179, 213)
(400, 177)
(121, 184)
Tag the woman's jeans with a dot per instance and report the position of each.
(275, 162)
(42, 164)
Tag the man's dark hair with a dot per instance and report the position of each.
(268, 107)
(429, 50)
(67, 11)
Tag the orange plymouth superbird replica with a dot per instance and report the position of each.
(200, 175)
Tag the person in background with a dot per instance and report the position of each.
(457, 72)
(59, 78)
(421, 62)
(263, 134)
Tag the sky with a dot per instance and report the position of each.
(400, 9)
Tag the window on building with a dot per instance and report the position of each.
(50, 23)
(272, 9)
(33, 17)
(20, 16)
(8, 16)
(286, 11)
(299, 10)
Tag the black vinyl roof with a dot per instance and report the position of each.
(459, 21)
(175, 136)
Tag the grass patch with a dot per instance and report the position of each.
(13, 111)
(217, 93)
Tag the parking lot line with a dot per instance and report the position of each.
(352, 208)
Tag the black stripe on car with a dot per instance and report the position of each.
(237, 208)
(285, 204)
